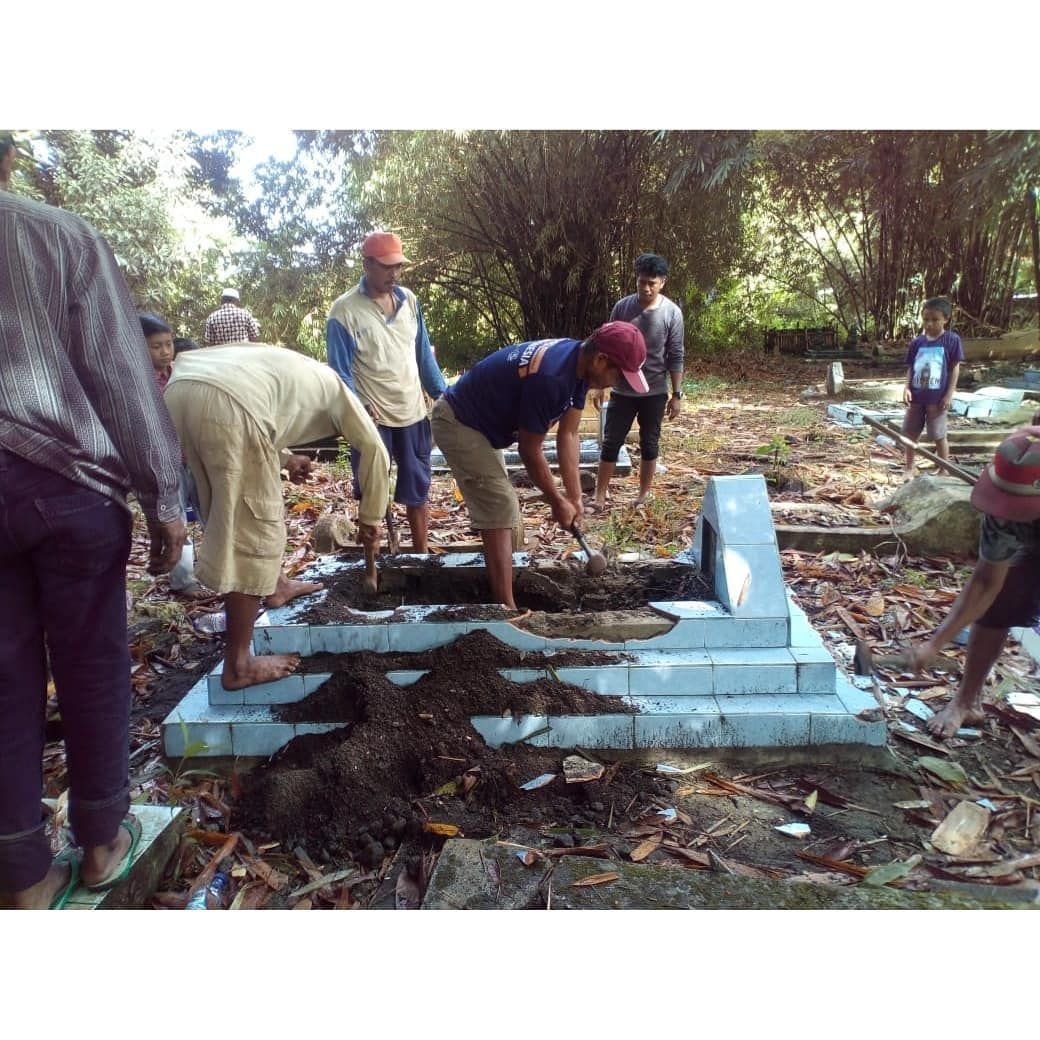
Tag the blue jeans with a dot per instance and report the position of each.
(63, 553)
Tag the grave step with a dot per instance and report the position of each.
(198, 729)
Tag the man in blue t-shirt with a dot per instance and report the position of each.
(933, 363)
(516, 395)
(1003, 591)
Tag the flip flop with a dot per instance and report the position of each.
(69, 856)
(133, 827)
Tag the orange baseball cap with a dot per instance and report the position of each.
(385, 247)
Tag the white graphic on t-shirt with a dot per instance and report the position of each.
(930, 368)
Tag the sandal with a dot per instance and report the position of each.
(133, 827)
(61, 898)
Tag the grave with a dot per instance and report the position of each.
(741, 667)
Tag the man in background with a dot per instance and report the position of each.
(231, 322)
(378, 343)
(661, 323)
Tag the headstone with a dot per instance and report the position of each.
(835, 379)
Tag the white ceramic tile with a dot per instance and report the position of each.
(591, 731)
(497, 731)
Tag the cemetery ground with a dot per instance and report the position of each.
(918, 815)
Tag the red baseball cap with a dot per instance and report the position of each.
(1009, 487)
(385, 247)
(623, 343)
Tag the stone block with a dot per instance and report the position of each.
(610, 679)
(846, 729)
(590, 731)
(343, 639)
(854, 700)
(680, 723)
(672, 679)
(753, 670)
(750, 632)
(405, 638)
(816, 669)
(282, 639)
(260, 739)
(276, 693)
(765, 730)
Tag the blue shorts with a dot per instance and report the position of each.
(409, 447)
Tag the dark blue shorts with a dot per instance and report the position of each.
(409, 447)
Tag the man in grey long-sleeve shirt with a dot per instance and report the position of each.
(661, 323)
(82, 422)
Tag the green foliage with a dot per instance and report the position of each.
(534, 233)
(778, 452)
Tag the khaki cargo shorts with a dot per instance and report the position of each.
(236, 469)
(479, 470)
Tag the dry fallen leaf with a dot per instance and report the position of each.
(644, 848)
(596, 879)
(875, 606)
(442, 830)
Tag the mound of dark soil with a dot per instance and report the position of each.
(377, 777)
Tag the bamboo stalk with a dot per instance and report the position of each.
(891, 431)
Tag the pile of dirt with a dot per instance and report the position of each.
(471, 653)
(377, 777)
(557, 588)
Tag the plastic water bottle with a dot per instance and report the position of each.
(213, 897)
(885, 442)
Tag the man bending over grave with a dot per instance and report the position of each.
(237, 409)
(515, 395)
(1003, 591)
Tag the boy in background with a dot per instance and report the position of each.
(163, 349)
(933, 364)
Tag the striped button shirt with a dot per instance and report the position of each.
(77, 390)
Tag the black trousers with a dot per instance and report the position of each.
(63, 553)
(621, 411)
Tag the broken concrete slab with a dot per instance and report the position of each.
(488, 875)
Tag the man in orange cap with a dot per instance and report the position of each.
(1003, 591)
(378, 343)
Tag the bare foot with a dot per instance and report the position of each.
(100, 860)
(908, 474)
(640, 499)
(597, 507)
(945, 723)
(289, 589)
(41, 895)
(253, 670)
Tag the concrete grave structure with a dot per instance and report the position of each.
(744, 669)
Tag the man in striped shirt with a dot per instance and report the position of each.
(82, 422)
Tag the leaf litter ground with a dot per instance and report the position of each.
(721, 814)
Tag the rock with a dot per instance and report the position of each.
(332, 533)
(934, 515)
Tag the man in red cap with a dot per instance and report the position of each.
(1003, 591)
(515, 395)
(378, 343)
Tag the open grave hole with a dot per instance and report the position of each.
(558, 588)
